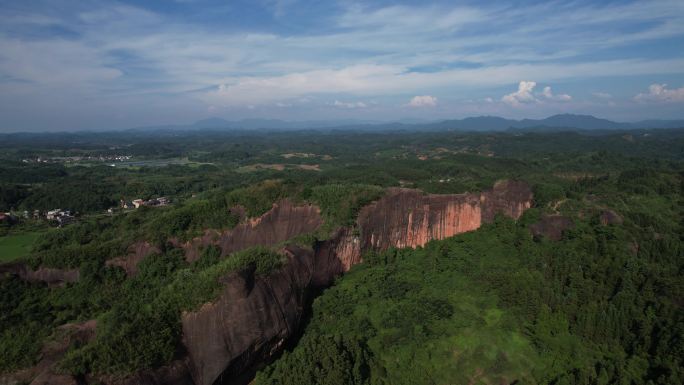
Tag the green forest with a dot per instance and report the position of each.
(601, 305)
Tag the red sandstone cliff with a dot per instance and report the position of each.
(282, 222)
(252, 318)
(409, 218)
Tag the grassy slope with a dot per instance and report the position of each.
(497, 306)
(16, 246)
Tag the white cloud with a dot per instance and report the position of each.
(550, 96)
(660, 93)
(119, 53)
(522, 96)
(525, 95)
(349, 105)
(423, 101)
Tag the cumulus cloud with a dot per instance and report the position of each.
(522, 96)
(423, 101)
(525, 95)
(550, 96)
(660, 93)
(349, 105)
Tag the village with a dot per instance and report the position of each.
(74, 159)
(62, 217)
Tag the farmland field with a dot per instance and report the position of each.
(16, 246)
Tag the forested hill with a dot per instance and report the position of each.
(602, 305)
(584, 288)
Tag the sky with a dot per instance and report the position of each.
(102, 64)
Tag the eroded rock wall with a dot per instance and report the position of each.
(136, 253)
(253, 317)
(283, 221)
(409, 218)
(249, 321)
(49, 275)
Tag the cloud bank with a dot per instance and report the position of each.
(77, 64)
(660, 93)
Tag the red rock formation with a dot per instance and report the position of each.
(249, 321)
(409, 218)
(253, 317)
(344, 247)
(51, 276)
(284, 221)
(136, 253)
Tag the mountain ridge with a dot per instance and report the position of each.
(476, 123)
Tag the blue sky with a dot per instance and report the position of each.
(68, 65)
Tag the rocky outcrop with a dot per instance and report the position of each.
(136, 253)
(551, 227)
(52, 276)
(343, 247)
(409, 218)
(250, 321)
(283, 221)
(254, 316)
(43, 373)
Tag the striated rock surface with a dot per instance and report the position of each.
(282, 222)
(136, 253)
(343, 247)
(254, 316)
(52, 276)
(250, 320)
(409, 218)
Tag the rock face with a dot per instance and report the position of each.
(409, 218)
(136, 253)
(51, 276)
(284, 221)
(254, 316)
(250, 321)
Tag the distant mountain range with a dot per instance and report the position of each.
(479, 124)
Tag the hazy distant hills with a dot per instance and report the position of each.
(560, 122)
(552, 123)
